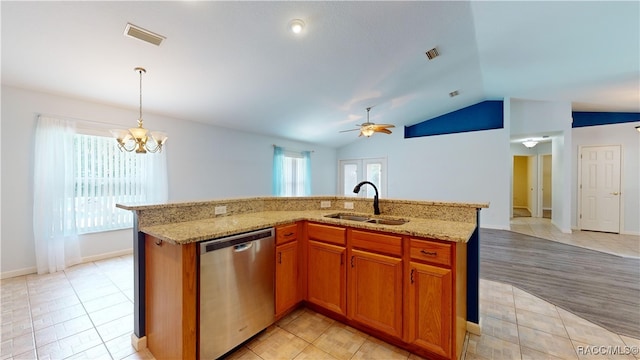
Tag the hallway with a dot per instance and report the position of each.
(615, 244)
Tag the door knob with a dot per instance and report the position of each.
(615, 193)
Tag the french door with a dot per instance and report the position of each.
(353, 171)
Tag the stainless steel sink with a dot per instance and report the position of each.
(388, 221)
(361, 218)
(351, 217)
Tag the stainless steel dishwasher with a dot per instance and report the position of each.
(236, 290)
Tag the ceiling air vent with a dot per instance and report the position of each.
(432, 54)
(141, 34)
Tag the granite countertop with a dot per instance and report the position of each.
(205, 229)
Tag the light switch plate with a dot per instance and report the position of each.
(325, 204)
(348, 205)
(219, 210)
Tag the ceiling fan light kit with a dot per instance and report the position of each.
(368, 128)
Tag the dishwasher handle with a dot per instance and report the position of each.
(235, 241)
(242, 247)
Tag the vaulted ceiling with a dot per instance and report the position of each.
(237, 65)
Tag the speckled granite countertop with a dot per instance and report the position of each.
(210, 228)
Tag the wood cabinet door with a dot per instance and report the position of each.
(430, 308)
(286, 277)
(375, 291)
(326, 276)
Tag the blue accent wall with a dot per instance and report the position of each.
(486, 115)
(582, 119)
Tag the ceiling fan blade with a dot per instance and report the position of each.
(385, 125)
(383, 130)
(348, 130)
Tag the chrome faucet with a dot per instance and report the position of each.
(376, 208)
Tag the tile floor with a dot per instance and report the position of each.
(616, 244)
(86, 312)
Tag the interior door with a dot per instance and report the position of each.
(600, 188)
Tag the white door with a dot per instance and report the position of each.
(600, 188)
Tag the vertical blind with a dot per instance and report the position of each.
(105, 176)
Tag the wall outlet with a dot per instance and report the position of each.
(348, 205)
(219, 210)
(325, 204)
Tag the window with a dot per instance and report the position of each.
(291, 172)
(105, 176)
(356, 170)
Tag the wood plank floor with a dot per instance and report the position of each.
(599, 287)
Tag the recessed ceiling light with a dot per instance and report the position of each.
(432, 54)
(296, 26)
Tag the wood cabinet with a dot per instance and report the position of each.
(375, 291)
(375, 281)
(171, 299)
(436, 304)
(287, 277)
(326, 270)
(430, 303)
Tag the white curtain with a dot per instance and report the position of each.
(157, 178)
(54, 224)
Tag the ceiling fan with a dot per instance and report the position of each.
(368, 128)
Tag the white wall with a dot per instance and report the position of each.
(617, 134)
(530, 117)
(561, 183)
(204, 162)
(465, 167)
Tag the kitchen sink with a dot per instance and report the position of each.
(361, 218)
(388, 221)
(351, 217)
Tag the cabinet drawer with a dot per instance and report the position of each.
(388, 244)
(326, 233)
(286, 233)
(431, 251)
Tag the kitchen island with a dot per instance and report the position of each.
(179, 227)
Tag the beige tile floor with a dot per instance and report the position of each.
(86, 312)
(616, 244)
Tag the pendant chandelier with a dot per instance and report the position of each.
(137, 138)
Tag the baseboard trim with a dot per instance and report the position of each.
(19, 272)
(107, 255)
(87, 259)
(474, 328)
(138, 343)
